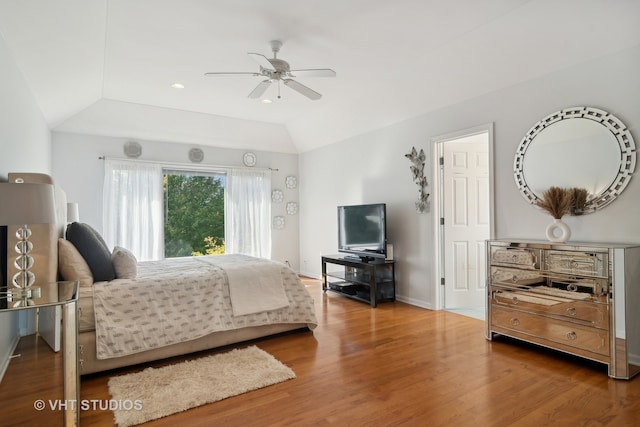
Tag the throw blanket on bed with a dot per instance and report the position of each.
(253, 286)
(180, 299)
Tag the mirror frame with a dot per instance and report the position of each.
(612, 124)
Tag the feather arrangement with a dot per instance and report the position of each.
(556, 201)
(578, 201)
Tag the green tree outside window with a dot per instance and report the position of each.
(193, 214)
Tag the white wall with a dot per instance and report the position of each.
(24, 135)
(24, 147)
(372, 168)
(77, 168)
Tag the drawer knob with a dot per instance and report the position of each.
(572, 335)
(516, 300)
(514, 321)
(572, 311)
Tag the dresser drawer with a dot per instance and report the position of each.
(515, 277)
(561, 307)
(528, 258)
(569, 334)
(577, 263)
(579, 284)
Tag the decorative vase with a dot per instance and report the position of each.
(558, 231)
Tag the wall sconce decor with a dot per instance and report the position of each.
(196, 155)
(277, 196)
(132, 149)
(417, 170)
(278, 222)
(291, 181)
(292, 208)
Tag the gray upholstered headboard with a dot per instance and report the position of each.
(44, 236)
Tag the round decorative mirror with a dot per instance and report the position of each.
(578, 147)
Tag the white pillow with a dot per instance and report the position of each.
(124, 262)
(72, 265)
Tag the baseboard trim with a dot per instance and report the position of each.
(6, 358)
(413, 301)
(309, 275)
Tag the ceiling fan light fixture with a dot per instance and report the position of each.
(267, 101)
(275, 70)
(177, 85)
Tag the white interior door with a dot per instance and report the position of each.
(466, 203)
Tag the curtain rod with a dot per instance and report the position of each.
(191, 166)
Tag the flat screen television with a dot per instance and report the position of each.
(362, 231)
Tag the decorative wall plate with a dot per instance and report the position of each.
(249, 159)
(278, 222)
(196, 155)
(277, 196)
(292, 208)
(132, 149)
(291, 181)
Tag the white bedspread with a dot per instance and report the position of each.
(181, 299)
(255, 285)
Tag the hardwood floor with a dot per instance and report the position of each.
(393, 365)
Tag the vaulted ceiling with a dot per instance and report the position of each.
(106, 66)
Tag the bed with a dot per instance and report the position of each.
(133, 312)
(179, 306)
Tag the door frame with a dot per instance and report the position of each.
(437, 200)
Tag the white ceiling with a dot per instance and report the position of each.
(106, 66)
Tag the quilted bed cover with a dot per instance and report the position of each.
(180, 299)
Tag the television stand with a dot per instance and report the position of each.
(357, 258)
(370, 282)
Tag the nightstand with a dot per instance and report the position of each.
(65, 296)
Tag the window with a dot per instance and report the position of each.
(194, 213)
(161, 211)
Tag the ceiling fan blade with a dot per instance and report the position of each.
(263, 61)
(232, 73)
(315, 72)
(260, 89)
(299, 87)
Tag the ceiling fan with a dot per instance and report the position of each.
(277, 70)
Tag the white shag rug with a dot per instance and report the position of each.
(157, 392)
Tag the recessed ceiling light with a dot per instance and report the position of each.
(177, 85)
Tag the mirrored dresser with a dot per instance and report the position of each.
(579, 298)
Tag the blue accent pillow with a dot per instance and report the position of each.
(93, 249)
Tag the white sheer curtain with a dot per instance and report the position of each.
(248, 213)
(133, 202)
